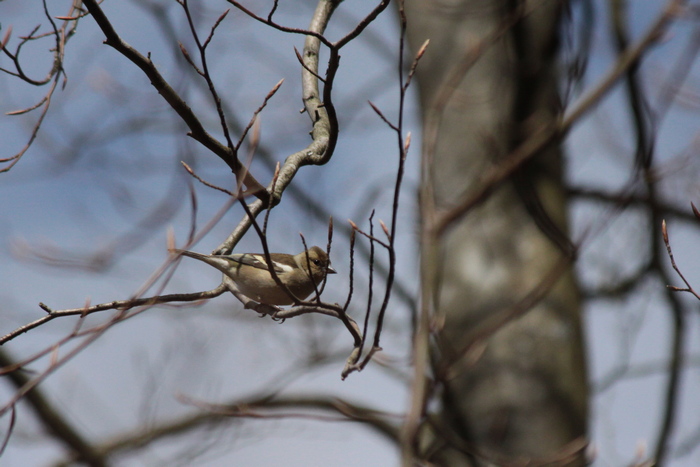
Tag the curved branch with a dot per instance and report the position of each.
(325, 125)
(266, 407)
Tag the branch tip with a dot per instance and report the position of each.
(384, 228)
(422, 49)
(664, 231)
(170, 238)
(695, 211)
(187, 167)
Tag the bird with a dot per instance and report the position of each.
(301, 273)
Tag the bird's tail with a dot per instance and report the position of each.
(191, 254)
(219, 262)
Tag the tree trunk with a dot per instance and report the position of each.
(508, 356)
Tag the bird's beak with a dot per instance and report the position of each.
(330, 270)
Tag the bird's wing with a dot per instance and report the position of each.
(258, 261)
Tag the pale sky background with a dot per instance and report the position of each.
(80, 193)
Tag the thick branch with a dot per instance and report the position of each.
(52, 419)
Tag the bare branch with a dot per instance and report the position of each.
(197, 130)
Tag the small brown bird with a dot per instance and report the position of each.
(251, 274)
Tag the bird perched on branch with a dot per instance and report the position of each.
(301, 273)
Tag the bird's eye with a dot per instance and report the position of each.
(316, 262)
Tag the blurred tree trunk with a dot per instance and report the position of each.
(519, 393)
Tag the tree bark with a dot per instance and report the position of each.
(508, 353)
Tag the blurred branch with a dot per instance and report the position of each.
(626, 371)
(268, 407)
(60, 35)
(621, 287)
(638, 105)
(677, 75)
(540, 138)
(51, 419)
(624, 199)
